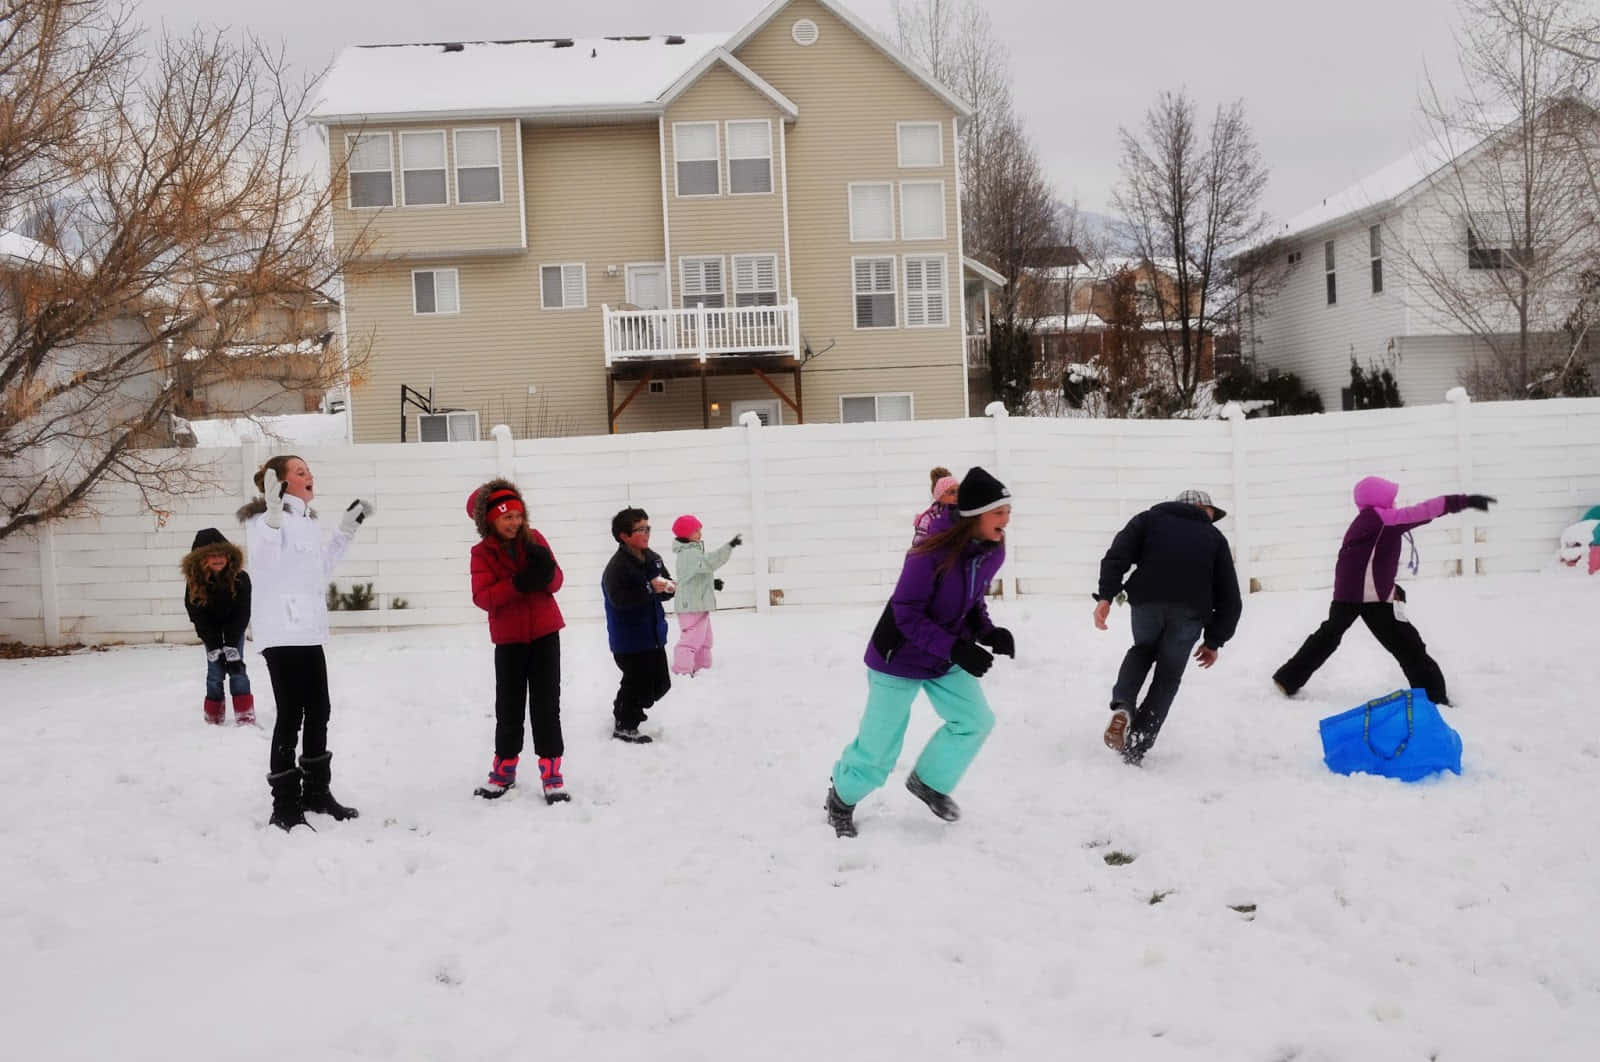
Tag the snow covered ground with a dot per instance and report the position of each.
(691, 902)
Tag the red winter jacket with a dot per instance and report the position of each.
(513, 615)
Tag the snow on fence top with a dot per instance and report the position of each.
(826, 509)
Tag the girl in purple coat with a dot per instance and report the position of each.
(1364, 587)
(931, 637)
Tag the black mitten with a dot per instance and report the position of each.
(1479, 501)
(537, 572)
(971, 657)
(716, 584)
(1000, 640)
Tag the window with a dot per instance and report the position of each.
(920, 143)
(371, 170)
(1375, 240)
(658, 387)
(857, 409)
(694, 147)
(1294, 257)
(563, 287)
(871, 212)
(925, 291)
(874, 292)
(1327, 267)
(477, 165)
(422, 169)
(458, 426)
(922, 210)
(1487, 242)
(755, 280)
(435, 291)
(700, 282)
(750, 157)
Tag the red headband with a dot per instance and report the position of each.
(504, 501)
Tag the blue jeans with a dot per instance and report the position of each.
(1162, 636)
(238, 684)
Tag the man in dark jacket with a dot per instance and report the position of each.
(635, 583)
(1184, 586)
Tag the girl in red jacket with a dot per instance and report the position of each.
(514, 579)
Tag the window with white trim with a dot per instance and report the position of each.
(755, 280)
(873, 281)
(925, 291)
(694, 150)
(750, 157)
(422, 181)
(860, 409)
(920, 143)
(1327, 269)
(871, 211)
(477, 165)
(460, 425)
(922, 210)
(563, 286)
(435, 291)
(1375, 238)
(371, 170)
(700, 282)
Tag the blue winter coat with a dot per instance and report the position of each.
(931, 610)
(635, 620)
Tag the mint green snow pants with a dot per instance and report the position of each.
(867, 761)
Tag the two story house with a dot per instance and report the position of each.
(576, 236)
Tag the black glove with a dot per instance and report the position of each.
(537, 572)
(716, 584)
(1000, 640)
(971, 657)
(736, 540)
(1479, 501)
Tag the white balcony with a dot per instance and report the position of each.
(701, 332)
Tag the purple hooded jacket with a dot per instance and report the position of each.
(1369, 557)
(930, 611)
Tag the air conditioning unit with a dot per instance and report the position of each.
(461, 426)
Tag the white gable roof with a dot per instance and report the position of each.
(507, 78)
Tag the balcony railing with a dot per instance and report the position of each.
(977, 352)
(701, 332)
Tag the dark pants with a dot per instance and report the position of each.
(527, 679)
(1163, 636)
(299, 676)
(646, 678)
(216, 674)
(1393, 633)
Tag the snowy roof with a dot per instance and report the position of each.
(527, 78)
(1076, 322)
(292, 428)
(972, 265)
(1372, 192)
(19, 250)
(303, 347)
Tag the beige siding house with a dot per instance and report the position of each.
(636, 234)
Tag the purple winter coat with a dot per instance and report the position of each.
(929, 611)
(1369, 557)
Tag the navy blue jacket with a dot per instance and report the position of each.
(1183, 560)
(635, 620)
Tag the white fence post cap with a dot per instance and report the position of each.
(1457, 395)
(1233, 411)
(500, 433)
(750, 418)
(996, 409)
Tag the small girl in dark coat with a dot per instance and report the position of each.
(515, 578)
(217, 595)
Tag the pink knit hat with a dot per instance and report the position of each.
(685, 525)
(945, 483)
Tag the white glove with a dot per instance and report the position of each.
(272, 489)
(230, 654)
(358, 511)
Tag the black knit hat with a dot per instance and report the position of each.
(980, 492)
(206, 536)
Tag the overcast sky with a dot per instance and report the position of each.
(1331, 90)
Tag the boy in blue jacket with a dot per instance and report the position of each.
(635, 583)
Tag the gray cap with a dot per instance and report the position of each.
(1200, 497)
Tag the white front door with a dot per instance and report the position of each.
(647, 286)
(770, 410)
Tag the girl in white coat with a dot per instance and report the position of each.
(289, 567)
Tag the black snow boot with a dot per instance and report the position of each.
(317, 798)
(841, 816)
(937, 802)
(286, 810)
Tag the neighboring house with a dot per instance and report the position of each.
(282, 363)
(633, 234)
(1345, 281)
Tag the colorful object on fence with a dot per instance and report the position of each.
(1399, 735)
(1582, 539)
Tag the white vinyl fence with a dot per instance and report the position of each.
(826, 509)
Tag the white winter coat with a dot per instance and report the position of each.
(289, 572)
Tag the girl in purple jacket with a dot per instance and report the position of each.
(1364, 587)
(931, 637)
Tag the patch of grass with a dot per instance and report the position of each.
(1243, 908)
(1159, 895)
(23, 651)
(1119, 859)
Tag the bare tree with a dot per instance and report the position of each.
(1500, 257)
(167, 206)
(1190, 197)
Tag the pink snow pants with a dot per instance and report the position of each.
(693, 651)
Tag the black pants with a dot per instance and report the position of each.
(1162, 636)
(299, 676)
(527, 678)
(1394, 634)
(646, 679)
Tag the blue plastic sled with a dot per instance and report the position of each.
(1399, 735)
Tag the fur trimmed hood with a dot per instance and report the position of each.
(193, 564)
(478, 506)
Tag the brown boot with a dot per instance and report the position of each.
(1117, 730)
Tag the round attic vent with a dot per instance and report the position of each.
(804, 33)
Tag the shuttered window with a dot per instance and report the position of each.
(755, 280)
(700, 282)
(925, 291)
(874, 292)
